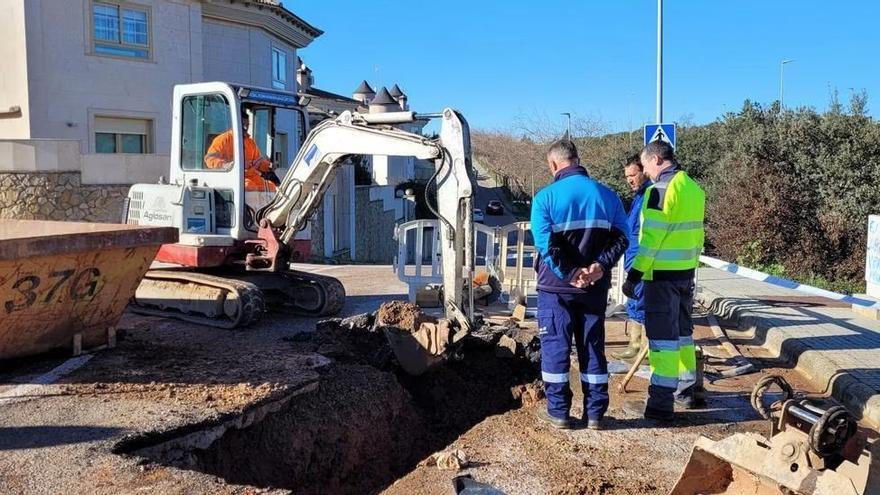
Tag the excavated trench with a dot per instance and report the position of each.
(367, 423)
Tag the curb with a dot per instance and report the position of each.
(859, 398)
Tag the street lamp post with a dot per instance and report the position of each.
(659, 61)
(568, 114)
(532, 176)
(782, 81)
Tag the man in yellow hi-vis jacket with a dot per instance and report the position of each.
(670, 243)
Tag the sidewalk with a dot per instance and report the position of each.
(835, 347)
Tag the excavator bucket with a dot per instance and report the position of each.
(418, 351)
(743, 464)
(418, 341)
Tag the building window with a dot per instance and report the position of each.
(120, 30)
(121, 135)
(279, 69)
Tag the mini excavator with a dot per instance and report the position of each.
(236, 252)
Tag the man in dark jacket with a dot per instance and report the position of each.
(580, 233)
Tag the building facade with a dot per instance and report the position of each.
(85, 105)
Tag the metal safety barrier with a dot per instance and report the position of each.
(418, 261)
(507, 252)
(519, 280)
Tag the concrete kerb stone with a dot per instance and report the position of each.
(859, 398)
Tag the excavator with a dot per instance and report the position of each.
(236, 250)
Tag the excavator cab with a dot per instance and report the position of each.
(211, 147)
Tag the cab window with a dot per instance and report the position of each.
(206, 125)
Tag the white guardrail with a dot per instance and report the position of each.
(507, 252)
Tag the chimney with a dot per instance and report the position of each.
(383, 102)
(364, 93)
(304, 79)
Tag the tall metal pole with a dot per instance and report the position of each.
(659, 61)
(568, 114)
(782, 82)
(532, 175)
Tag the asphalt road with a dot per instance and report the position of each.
(488, 190)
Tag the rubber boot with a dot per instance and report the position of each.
(694, 397)
(636, 331)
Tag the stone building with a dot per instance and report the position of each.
(85, 93)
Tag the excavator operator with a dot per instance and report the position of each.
(259, 172)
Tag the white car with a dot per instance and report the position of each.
(478, 215)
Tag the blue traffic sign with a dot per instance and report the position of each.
(663, 132)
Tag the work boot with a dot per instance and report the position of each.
(595, 424)
(558, 423)
(636, 330)
(639, 408)
(691, 399)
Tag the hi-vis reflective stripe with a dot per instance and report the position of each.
(663, 345)
(684, 340)
(647, 252)
(671, 226)
(594, 379)
(677, 254)
(554, 377)
(581, 224)
(664, 381)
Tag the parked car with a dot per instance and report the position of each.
(494, 207)
(478, 215)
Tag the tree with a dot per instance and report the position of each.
(788, 190)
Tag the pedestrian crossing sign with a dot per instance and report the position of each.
(663, 132)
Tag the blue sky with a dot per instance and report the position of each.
(496, 60)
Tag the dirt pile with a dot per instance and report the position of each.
(353, 340)
(402, 315)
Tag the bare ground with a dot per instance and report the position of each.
(362, 422)
(517, 454)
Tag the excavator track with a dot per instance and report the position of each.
(199, 298)
(297, 292)
(333, 294)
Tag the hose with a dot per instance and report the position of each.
(762, 387)
(449, 228)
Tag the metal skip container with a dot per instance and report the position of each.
(66, 284)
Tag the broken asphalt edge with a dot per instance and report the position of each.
(824, 373)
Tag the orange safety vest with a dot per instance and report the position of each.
(221, 152)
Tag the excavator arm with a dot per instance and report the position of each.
(332, 141)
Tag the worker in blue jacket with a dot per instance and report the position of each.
(635, 307)
(579, 228)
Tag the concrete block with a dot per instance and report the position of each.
(873, 314)
(145, 169)
(99, 168)
(24, 158)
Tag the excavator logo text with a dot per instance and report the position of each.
(157, 217)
